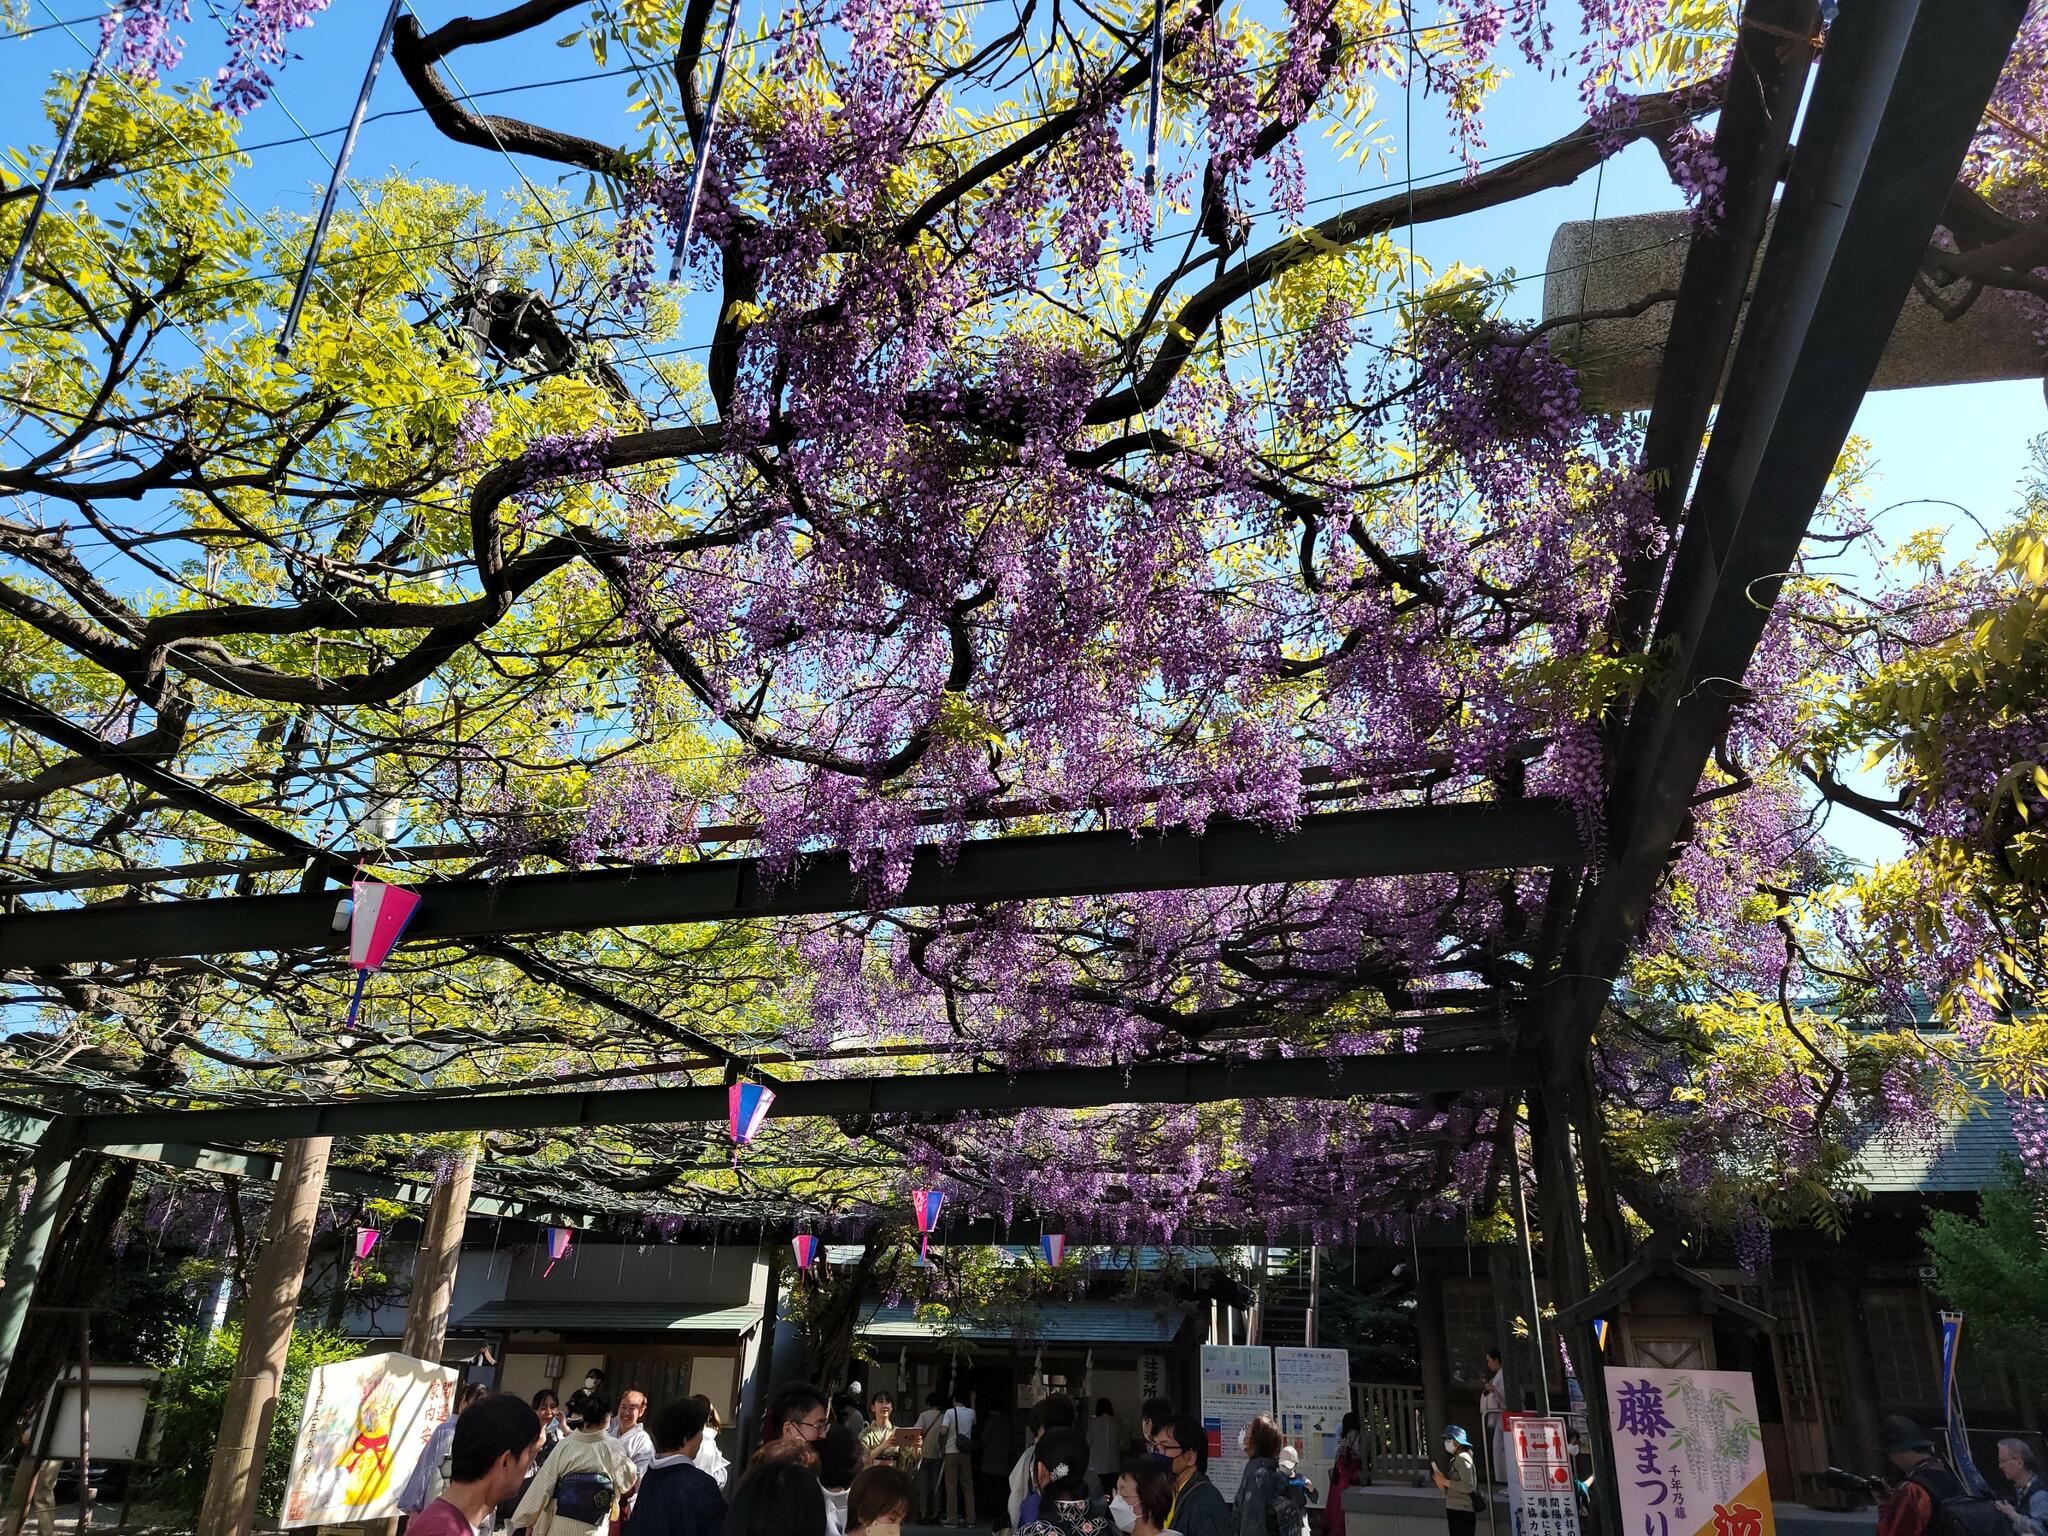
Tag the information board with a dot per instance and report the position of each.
(1312, 1393)
(1237, 1386)
(1690, 1451)
(1542, 1497)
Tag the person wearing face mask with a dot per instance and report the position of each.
(879, 1501)
(593, 1386)
(1198, 1508)
(1459, 1480)
(1261, 1483)
(1143, 1502)
(1059, 1466)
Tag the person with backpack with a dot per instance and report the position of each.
(958, 1468)
(931, 1456)
(1262, 1503)
(1298, 1492)
(578, 1489)
(1928, 1499)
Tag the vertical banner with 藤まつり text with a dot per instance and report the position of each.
(1311, 1395)
(1688, 1453)
(1237, 1386)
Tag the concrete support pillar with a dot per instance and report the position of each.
(755, 1389)
(1570, 1282)
(267, 1319)
(51, 1168)
(433, 1277)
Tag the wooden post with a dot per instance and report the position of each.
(433, 1278)
(85, 1498)
(267, 1319)
(433, 1272)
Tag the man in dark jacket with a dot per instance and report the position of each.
(1198, 1506)
(1929, 1499)
(677, 1497)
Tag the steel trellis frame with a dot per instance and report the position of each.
(1202, 1082)
(1338, 845)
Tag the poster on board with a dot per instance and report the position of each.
(1312, 1393)
(1689, 1451)
(1542, 1493)
(365, 1423)
(1237, 1386)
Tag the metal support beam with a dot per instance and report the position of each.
(1900, 89)
(319, 861)
(1339, 845)
(22, 1126)
(51, 1167)
(1341, 1077)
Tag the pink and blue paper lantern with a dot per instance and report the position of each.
(1054, 1246)
(926, 1204)
(559, 1241)
(377, 920)
(806, 1247)
(746, 1106)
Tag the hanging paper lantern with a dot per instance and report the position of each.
(746, 1106)
(1600, 1333)
(366, 1239)
(806, 1247)
(376, 922)
(926, 1204)
(559, 1239)
(1054, 1246)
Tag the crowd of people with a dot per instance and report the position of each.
(837, 1467)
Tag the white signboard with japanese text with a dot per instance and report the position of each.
(1688, 1453)
(1312, 1393)
(1237, 1386)
(1542, 1497)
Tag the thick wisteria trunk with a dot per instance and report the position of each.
(828, 1337)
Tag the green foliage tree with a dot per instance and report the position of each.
(193, 1391)
(1993, 1268)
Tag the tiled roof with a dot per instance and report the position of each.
(1963, 1157)
(1080, 1322)
(586, 1316)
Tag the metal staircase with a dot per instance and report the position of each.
(1288, 1286)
